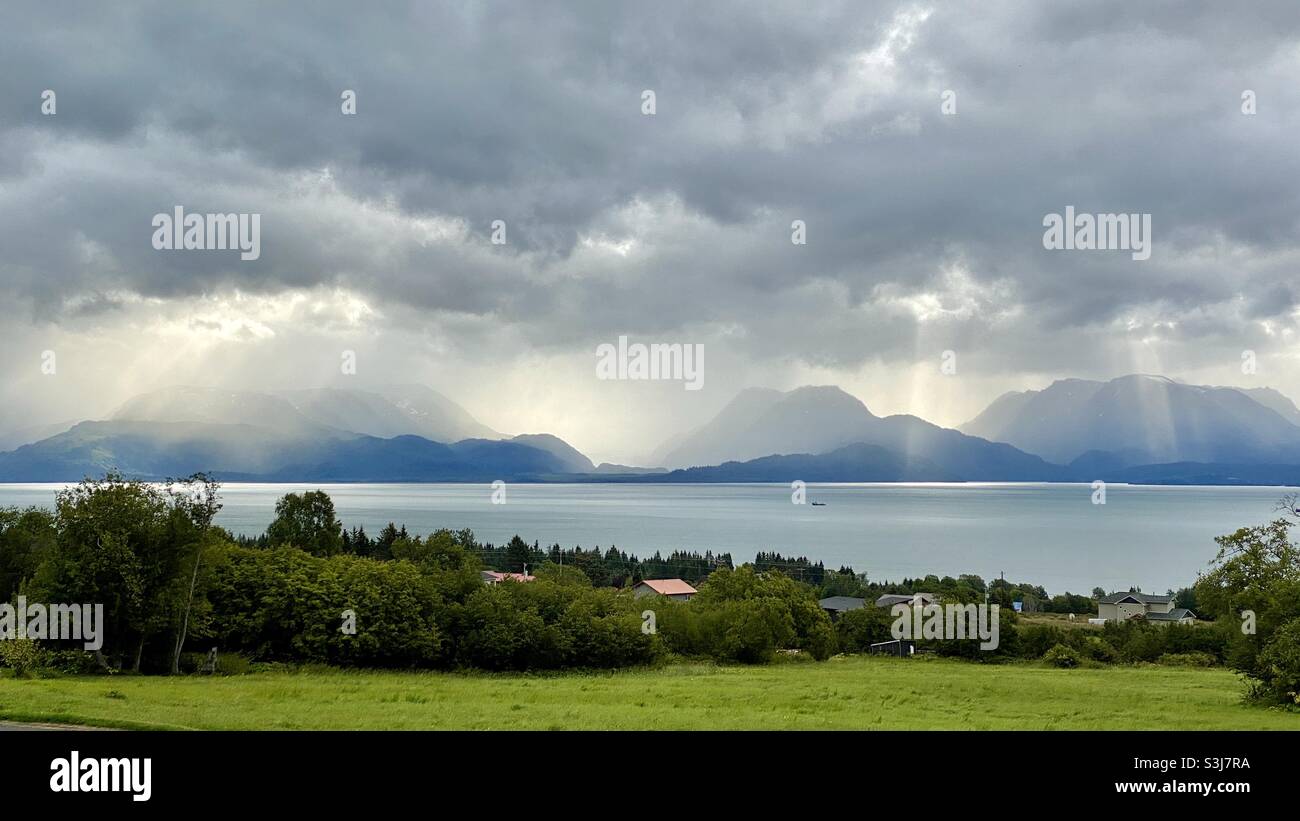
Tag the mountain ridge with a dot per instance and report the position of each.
(1143, 419)
(820, 419)
(1136, 428)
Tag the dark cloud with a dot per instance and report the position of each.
(924, 230)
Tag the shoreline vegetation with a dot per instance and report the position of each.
(310, 598)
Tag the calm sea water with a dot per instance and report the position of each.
(1050, 534)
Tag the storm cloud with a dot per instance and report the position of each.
(924, 228)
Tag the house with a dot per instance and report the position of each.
(914, 599)
(493, 577)
(836, 605)
(1124, 606)
(671, 588)
(1179, 615)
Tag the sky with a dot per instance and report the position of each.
(920, 146)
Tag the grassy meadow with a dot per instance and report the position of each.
(852, 692)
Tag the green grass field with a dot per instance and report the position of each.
(844, 693)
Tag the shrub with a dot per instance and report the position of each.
(1192, 659)
(548, 624)
(285, 604)
(746, 616)
(498, 635)
(1009, 644)
(1062, 656)
(857, 630)
(228, 664)
(74, 662)
(1098, 649)
(24, 656)
(748, 631)
(680, 626)
(591, 638)
(562, 574)
(1037, 639)
(1197, 638)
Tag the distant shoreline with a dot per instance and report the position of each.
(1153, 536)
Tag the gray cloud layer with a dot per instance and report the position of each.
(924, 230)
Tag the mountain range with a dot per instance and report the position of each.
(818, 420)
(404, 433)
(1138, 420)
(1141, 429)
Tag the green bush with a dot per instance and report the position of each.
(1062, 656)
(192, 662)
(1197, 638)
(24, 656)
(1140, 641)
(74, 662)
(287, 605)
(749, 630)
(548, 625)
(284, 604)
(495, 634)
(1098, 649)
(228, 664)
(857, 630)
(1037, 639)
(1192, 659)
(746, 616)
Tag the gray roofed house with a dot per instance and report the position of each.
(1149, 606)
(914, 599)
(1180, 615)
(836, 605)
(1145, 598)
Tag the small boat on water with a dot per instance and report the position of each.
(819, 504)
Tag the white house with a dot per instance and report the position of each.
(1124, 606)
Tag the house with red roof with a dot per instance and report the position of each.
(671, 588)
(493, 577)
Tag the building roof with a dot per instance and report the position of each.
(494, 576)
(669, 587)
(1177, 614)
(1140, 598)
(842, 603)
(890, 599)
